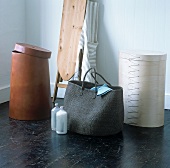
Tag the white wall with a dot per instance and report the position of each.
(43, 29)
(132, 24)
(123, 24)
(12, 29)
(33, 22)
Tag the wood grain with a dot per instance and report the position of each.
(71, 27)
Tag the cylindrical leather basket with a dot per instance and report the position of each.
(30, 84)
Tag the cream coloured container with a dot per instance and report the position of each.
(142, 76)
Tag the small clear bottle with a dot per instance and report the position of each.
(61, 121)
(53, 116)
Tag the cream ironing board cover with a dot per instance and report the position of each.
(88, 40)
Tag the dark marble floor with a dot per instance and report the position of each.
(33, 144)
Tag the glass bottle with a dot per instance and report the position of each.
(53, 116)
(61, 121)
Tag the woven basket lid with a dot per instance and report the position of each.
(32, 50)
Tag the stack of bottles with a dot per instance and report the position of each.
(59, 119)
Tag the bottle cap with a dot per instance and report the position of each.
(61, 107)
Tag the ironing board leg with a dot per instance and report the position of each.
(58, 79)
(80, 64)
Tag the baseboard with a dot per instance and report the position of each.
(60, 93)
(167, 101)
(4, 94)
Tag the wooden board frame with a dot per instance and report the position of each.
(71, 28)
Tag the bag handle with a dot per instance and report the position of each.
(101, 77)
(95, 84)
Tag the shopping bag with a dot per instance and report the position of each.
(90, 114)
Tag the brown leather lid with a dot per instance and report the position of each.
(32, 50)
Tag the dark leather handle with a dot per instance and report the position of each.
(101, 77)
(93, 77)
(95, 84)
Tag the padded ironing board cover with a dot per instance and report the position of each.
(88, 41)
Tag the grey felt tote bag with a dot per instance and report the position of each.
(89, 114)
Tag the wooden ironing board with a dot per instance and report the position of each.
(71, 28)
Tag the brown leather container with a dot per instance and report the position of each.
(30, 84)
